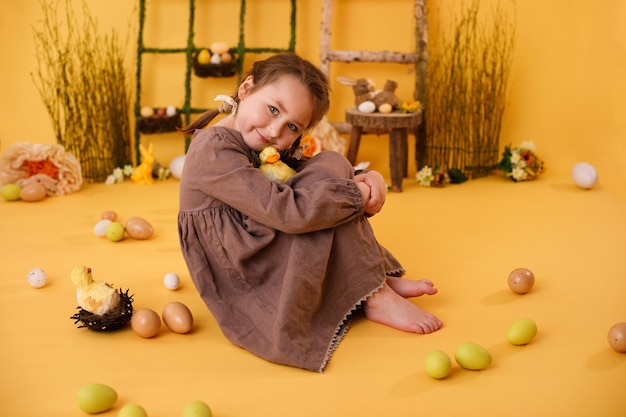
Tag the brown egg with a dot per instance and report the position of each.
(177, 317)
(617, 337)
(33, 192)
(138, 228)
(521, 280)
(145, 322)
(109, 215)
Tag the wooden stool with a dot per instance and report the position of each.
(398, 124)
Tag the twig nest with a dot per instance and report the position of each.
(115, 319)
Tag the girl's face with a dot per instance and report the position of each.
(275, 114)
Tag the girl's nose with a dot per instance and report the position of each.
(274, 129)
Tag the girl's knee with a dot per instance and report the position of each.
(329, 164)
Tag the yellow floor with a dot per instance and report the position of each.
(466, 238)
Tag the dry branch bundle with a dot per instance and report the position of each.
(468, 77)
(82, 80)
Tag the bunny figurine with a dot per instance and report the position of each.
(142, 174)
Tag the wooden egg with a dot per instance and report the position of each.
(33, 192)
(138, 228)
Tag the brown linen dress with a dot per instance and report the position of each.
(281, 267)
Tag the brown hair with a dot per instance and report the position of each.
(269, 70)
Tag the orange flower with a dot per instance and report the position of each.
(45, 166)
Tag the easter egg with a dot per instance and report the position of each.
(219, 47)
(197, 409)
(36, 278)
(100, 229)
(584, 175)
(146, 111)
(170, 111)
(177, 317)
(132, 410)
(33, 192)
(10, 192)
(145, 322)
(226, 58)
(171, 281)
(95, 398)
(521, 280)
(115, 231)
(176, 166)
(521, 332)
(385, 108)
(367, 107)
(109, 215)
(204, 57)
(617, 337)
(437, 364)
(472, 356)
(139, 228)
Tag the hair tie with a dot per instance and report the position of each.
(229, 105)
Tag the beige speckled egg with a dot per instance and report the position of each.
(33, 192)
(521, 280)
(617, 337)
(139, 228)
(177, 317)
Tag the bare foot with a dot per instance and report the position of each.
(388, 307)
(409, 288)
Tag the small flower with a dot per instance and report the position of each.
(128, 170)
(425, 176)
(521, 163)
(110, 180)
(410, 106)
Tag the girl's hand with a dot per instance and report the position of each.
(365, 192)
(378, 190)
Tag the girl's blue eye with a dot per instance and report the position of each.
(293, 127)
(273, 110)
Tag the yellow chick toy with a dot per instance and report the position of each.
(97, 297)
(272, 167)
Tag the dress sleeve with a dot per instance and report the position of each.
(319, 196)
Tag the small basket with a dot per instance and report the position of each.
(215, 70)
(160, 124)
(110, 321)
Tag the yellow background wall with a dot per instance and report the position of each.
(568, 91)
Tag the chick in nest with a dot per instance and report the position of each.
(272, 167)
(96, 297)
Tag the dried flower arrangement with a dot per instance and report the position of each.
(521, 163)
(466, 94)
(82, 81)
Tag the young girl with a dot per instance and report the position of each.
(283, 267)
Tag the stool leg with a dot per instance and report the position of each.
(355, 140)
(396, 165)
(404, 153)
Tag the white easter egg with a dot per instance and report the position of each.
(584, 175)
(100, 228)
(176, 166)
(171, 281)
(367, 107)
(216, 59)
(36, 278)
(170, 111)
(146, 111)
